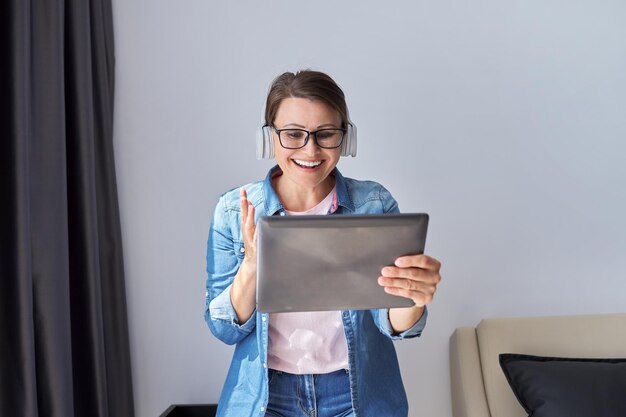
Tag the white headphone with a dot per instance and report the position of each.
(265, 143)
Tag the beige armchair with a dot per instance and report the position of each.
(479, 387)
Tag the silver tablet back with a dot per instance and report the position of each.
(318, 263)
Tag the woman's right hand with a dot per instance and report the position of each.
(243, 290)
(248, 230)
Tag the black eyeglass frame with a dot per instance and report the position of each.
(308, 135)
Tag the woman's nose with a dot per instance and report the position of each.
(311, 146)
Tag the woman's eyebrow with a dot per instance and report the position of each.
(325, 125)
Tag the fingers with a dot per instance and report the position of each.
(414, 274)
(248, 228)
(415, 277)
(418, 261)
(247, 209)
(407, 284)
(420, 298)
(420, 292)
(243, 199)
(249, 223)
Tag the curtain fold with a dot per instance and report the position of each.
(64, 348)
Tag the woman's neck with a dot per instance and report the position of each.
(294, 197)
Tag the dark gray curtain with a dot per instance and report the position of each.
(64, 347)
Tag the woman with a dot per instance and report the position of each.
(325, 364)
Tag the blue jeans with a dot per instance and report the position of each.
(319, 395)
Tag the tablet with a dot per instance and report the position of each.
(322, 263)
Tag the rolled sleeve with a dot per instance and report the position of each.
(223, 318)
(414, 331)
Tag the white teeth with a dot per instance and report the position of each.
(309, 164)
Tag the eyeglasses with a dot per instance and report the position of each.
(298, 138)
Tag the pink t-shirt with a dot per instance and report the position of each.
(308, 342)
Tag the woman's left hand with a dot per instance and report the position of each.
(414, 276)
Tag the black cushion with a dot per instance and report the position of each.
(190, 410)
(567, 387)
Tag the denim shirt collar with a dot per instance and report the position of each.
(273, 204)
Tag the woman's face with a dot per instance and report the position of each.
(309, 166)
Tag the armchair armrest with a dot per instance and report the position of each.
(466, 377)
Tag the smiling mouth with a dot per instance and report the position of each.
(307, 164)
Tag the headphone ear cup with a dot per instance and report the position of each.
(269, 142)
(348, 148)
(264, 143)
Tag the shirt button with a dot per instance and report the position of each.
(262, 408)
(282, 213)
(264, 365)
(263, 318)
(242, 250)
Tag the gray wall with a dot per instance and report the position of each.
(505, 120)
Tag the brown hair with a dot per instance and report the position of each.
(313, 85)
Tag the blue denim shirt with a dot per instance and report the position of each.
(375, 381)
